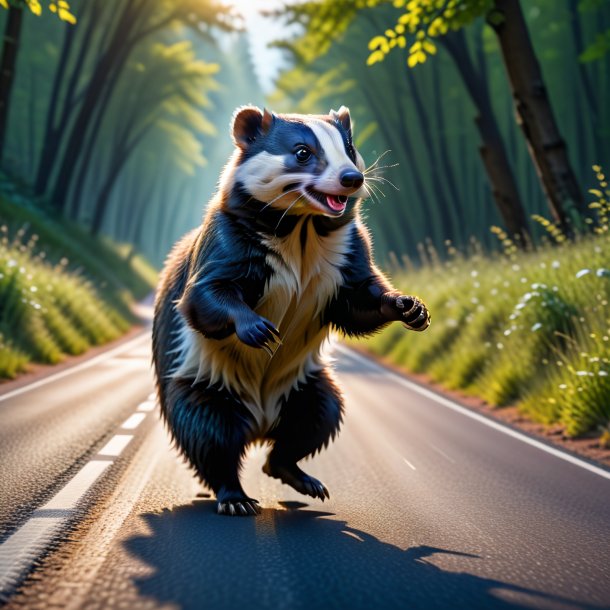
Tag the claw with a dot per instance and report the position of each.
(325, 492)
(241, 508)
(266, 347)
(416, 303)
(231, 508)
(274, 331)
(420, 317)
(221, 508)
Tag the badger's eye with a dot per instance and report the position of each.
(302, 154)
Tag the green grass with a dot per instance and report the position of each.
(61, 291)
(527, 328)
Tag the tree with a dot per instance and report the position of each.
(137, 20)
(10, 48)
(327, 20)
(164, 88)
(426, 20)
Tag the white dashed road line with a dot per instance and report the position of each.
(78, 486)
(441, 452)
(114, 447)
(19, 552)
(406, 461)
(133, 421)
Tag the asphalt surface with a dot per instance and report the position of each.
(429, 509)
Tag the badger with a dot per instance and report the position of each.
(246, 303)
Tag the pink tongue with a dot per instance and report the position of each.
(334, 203)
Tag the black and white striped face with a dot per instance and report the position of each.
(299, 163)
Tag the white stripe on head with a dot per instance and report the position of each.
(331, 142)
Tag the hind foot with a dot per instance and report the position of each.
(297, 479)
(235, 503)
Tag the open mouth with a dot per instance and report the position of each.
(336, 203)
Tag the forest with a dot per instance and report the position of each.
(484, 121)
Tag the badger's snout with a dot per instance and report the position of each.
(351, 179)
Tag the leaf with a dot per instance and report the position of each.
(596, 192)
(4, 4)
(66, 15)
(429, 47)
(374, 57)
(376, 42)
(35, 7)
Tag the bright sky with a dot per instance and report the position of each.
(262, 31)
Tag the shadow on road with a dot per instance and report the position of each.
(299, 558)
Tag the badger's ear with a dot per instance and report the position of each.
(342, 115)
(249, 122)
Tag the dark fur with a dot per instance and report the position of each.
(217, 274)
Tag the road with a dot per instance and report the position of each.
(430, 507)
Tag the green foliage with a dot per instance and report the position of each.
(527, 328)
(598, 49)
(54, 305)
(424, 20)
(61, 8)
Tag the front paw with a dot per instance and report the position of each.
(258, 332)
(410, 310)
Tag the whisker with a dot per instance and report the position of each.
(371, 194)
(374, 186)
(381, 179)
(380, 167)
(376, 189)
(288, 209)
(379, 158)
(278, 197)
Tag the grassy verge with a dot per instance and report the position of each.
(61, 291)
(531, 329)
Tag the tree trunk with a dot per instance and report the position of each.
(493, 154)
(12, 32)
(54, 131)
(534, 112)
(118, 160)
(113, 59)
(72, 204)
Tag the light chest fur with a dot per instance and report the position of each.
(306, 277)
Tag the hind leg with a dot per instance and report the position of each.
(212, 429)
(309, 419)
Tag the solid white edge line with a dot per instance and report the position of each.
(77, 367)
(133, 421)
(445, 402)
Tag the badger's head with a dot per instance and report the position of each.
(302, 164)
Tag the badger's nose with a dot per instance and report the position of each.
(351, 178)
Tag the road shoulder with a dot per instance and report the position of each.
(587, 447)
